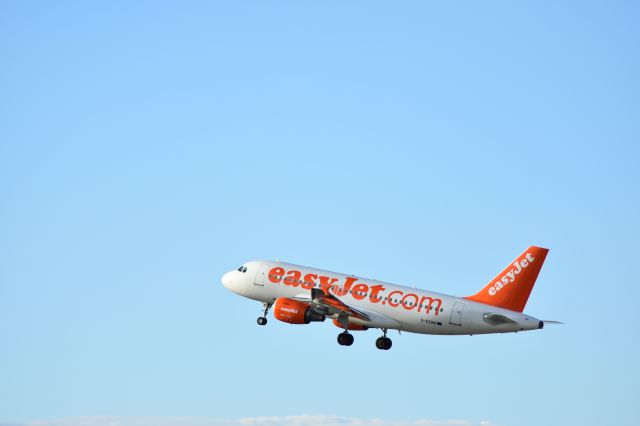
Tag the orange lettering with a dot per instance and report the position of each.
(390, 301)
(407, 305)
(431, 302)
(292, 278)
(326, 283)
(309, 281)
(360, 291)
(375, 289)
(345, 288)
(275, 275)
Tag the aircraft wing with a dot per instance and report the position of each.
(330, 305)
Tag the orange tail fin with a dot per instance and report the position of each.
(511, 288)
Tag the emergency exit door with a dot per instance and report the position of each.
(456, 314)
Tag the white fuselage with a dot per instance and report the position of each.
(389, 306)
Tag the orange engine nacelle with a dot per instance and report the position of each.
(354, 327)
(294, 312)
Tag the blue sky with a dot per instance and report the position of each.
(148, 147)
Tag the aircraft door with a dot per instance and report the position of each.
(262, 271)
(456, 314)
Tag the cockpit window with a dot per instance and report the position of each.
(242, 269)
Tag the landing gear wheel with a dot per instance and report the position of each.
(263, 319)
(387, 343)
(349, 339)
(383, 343)
(345, 339)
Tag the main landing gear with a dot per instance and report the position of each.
(345, 339)
(263, 319)
(383, 343)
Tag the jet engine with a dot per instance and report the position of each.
(294, 312)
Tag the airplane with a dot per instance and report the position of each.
(301, 295)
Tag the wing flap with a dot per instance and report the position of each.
(333, 306)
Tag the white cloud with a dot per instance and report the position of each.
(303, 420)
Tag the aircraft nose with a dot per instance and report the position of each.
(227, 280)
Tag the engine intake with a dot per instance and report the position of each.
(295, 312)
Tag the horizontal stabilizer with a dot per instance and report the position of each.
(497, 318)
(552, 322)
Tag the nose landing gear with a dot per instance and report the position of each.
(263, 319)
(383, 343)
